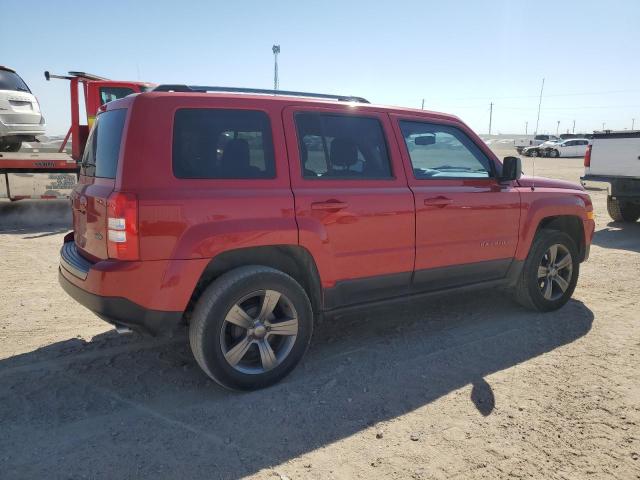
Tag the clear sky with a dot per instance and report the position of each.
(457, 55)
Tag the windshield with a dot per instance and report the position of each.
(12, 81)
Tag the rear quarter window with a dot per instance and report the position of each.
(222, 144)
(101, 154)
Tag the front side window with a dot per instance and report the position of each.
(222, 144)
(440, 151)
(342, 147)
(109, 94)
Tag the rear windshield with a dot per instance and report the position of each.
(12, 81)
(100, 157)
(216, 143)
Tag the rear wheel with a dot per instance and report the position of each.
(622, 211)
(12, 146)
(550, 272)
(533, 153)
(251, 327)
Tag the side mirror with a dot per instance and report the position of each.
(425, 140)
(511, 169)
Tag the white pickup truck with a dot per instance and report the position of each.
(614, 157)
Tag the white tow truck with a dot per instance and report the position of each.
(614, 157)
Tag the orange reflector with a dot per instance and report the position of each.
(591, 216)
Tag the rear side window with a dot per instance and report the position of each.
(222, 144)
(342, 147)
(12, 81)
(101, 154)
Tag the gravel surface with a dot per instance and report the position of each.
(461, 387)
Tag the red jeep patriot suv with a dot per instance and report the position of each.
(247, 216)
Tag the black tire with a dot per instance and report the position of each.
(555, 153)
(14, 146)
(206, 333)
(621, 211)
(528, 289)
(533, 153)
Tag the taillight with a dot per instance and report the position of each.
(122, 226)
(587, 156)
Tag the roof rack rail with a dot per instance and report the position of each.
(261, 91)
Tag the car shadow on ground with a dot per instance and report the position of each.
(35, 218)
(122, 407)
(620, 236)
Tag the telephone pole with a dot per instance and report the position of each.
(539, 105)
(526, 127)
(423, 104)
(633, 123)
(490, 116)
(574, 127)
(276, 82)
(557, 128)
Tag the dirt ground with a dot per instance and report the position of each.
(454, 387)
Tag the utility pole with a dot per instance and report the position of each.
(276, 82)
(423, 104)
(490, 116)
(557, 128)
(603, 124)
(574, 127)
(633, 123)
(526, 127)
(539, 105)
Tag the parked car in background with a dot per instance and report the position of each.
(538, 150)
(575, 147)
(522, 143)
(614, 157)
(20, 117)
(251, 216)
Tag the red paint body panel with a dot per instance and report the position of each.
(382, 227)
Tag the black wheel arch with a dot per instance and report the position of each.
(569, 224)
(294, 260)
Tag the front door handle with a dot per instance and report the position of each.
(329, 205)
(438, 201)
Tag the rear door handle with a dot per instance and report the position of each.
(438, 201)
(329, 205)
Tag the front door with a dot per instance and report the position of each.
(354, 210)
(466, 220)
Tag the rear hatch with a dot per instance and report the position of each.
(18, 106)
(97, 181)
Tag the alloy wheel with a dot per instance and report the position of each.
(555, 272)
(259, 332)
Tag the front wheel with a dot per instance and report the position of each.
(550, 272)
(555, 153)
(251, 327)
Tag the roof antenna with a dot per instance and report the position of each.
(533, 182)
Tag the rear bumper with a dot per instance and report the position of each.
(122, 312)
(148, 296)
(19, 129)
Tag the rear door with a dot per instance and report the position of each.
(354, 209)
(97, 181)
(466, 221)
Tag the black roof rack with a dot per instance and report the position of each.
(261, 91)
